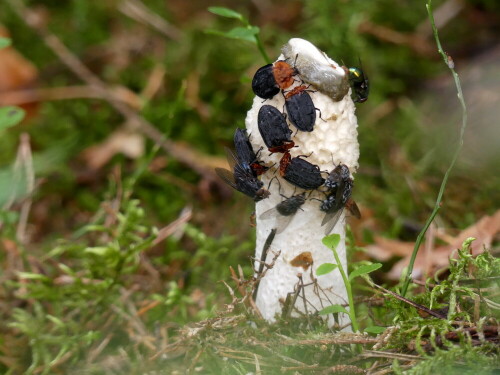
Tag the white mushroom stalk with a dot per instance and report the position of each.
(333, 141)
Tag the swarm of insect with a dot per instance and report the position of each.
(312, 66)
(288, 224)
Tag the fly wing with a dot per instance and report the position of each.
(353, 208)
(330, 220)
(227, 177)
(241, 170)
(282, 222)
(269, 214)
(231, 158)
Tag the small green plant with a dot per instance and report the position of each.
(248, 32)
(470, 279)
(332, 241)
(81, 286)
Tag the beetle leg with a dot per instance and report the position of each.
(317, 109)
(270, 182)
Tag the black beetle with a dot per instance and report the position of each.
(269, 79)
(303, 174)
(242, 178)
(300, 108)
(245, 154)
(359, 85)
(285, 210)
(263, 82)
(274, 129)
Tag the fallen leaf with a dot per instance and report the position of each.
(484, 231)
(121, 141)
(16, 72)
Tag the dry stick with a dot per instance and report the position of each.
(171, 228)
(449, 62)
(19, 97)
(305, 301)
(27, 160)
(136, 121)
(291, 299)
(411, 303)
(140, 13)
(380, 354)
(344, 339)
(23, 167)
(263, 255)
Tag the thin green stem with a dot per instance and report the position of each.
(347, 283)
(437, 206)
(262, 50)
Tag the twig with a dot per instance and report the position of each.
(263, 255)
(19, 97)
(411, 303)
(139, 12)
(291, 299)
(94, 353)
(297, 368)
(257, 365)
(380, 354)
(449, 63)
(195, 360)
(171, 228)
(343, 339)
(23, 169)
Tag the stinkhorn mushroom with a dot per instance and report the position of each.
(332, 141)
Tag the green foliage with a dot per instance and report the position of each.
(5, 42)
(363, 269)
(360, 269)
(10, 116)
(73, 300)
(332, 241)
(469, 274)
(248, 33)
(464, 359)
(333, 309)
(325, 268)
(374, 329)
(229, 13)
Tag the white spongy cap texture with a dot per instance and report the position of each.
(333, 141)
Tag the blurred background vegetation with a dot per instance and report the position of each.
(85, 256)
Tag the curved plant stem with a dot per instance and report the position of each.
(347, 283)
(262, 50)
(449, 62)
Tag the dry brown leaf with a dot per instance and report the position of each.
(15, 71)
(484, 231)
(120, 141)
(385, 248)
